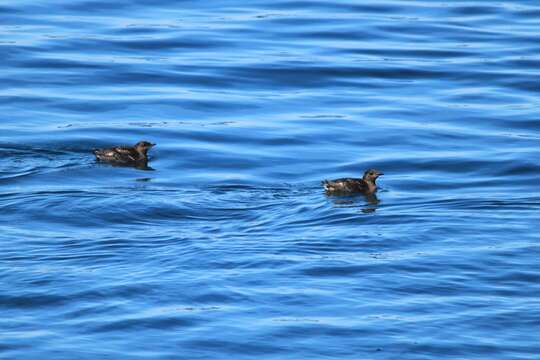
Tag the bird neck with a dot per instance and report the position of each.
(142, 151)
(372, 187)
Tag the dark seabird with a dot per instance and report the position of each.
(136, 155)
(365, 185)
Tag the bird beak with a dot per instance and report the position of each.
(380, 173)
(152, 144)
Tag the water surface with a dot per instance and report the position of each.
(229, 249)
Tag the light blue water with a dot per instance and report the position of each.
(229, 249)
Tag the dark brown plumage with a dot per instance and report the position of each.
(366, 185)
(125, 155)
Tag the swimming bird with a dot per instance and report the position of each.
(126, 155)
(365, 185)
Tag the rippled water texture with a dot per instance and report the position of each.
(228, 248)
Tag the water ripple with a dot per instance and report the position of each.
(229, 248)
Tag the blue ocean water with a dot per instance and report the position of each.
(228, 248)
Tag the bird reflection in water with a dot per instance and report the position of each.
(140, 165)
(351, 201)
